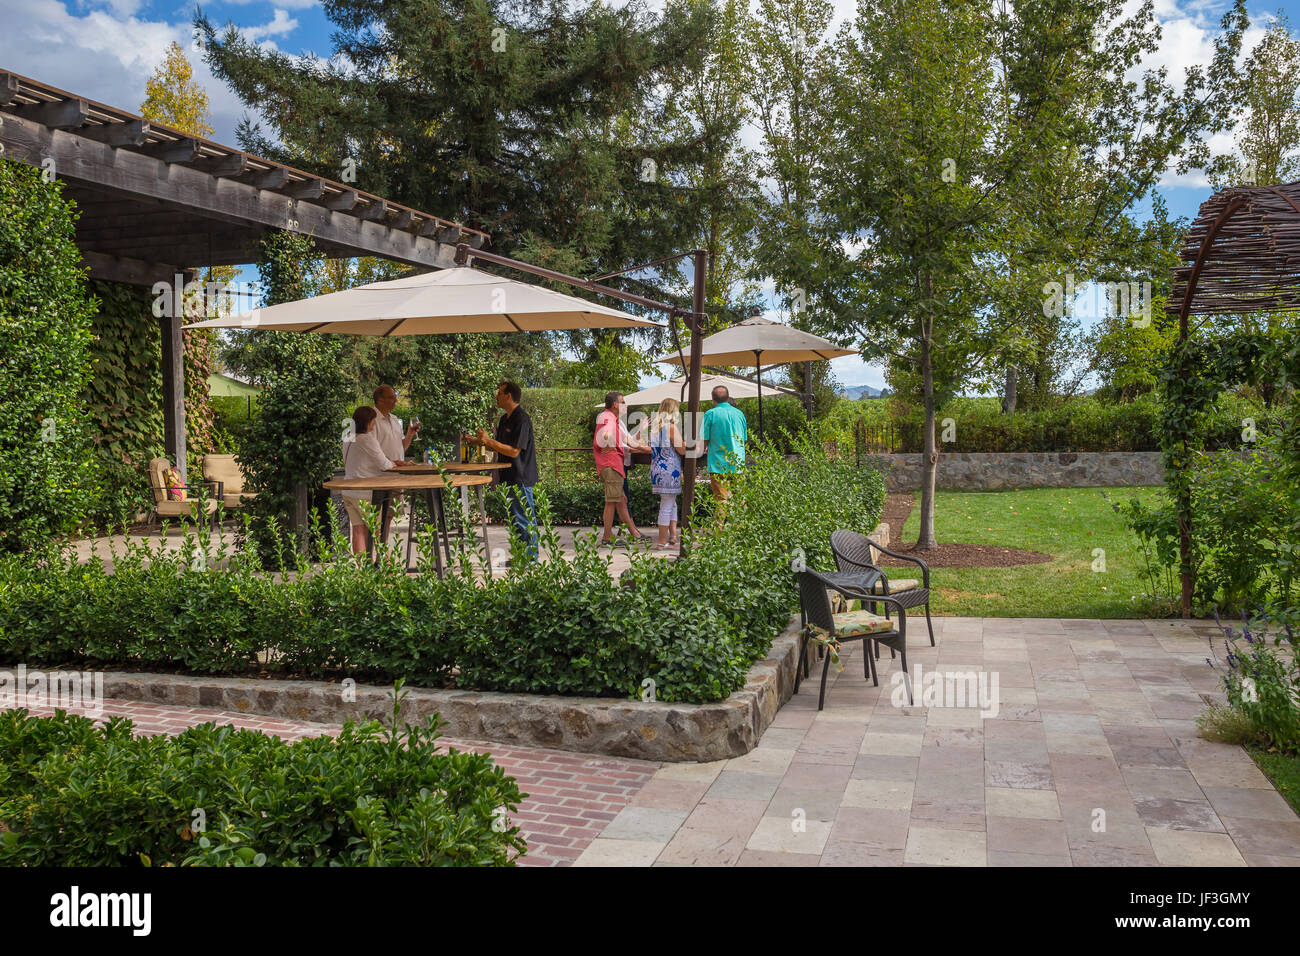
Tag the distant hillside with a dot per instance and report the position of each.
(860, 391)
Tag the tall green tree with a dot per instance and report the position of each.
(926, 167)
(711, 106)
(790, 69)
(1267, 100)
(532, 121)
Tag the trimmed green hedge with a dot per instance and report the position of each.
(74, 794)
(1077, 424)
(555, 626)
(47, 467)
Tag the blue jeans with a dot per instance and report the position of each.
(525, 521)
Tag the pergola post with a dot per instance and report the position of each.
(173, 383)
(690, 467)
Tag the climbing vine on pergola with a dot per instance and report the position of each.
(1242, 255)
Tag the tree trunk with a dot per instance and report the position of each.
(930, 459)
(1009, 390)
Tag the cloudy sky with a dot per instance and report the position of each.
(107, 49)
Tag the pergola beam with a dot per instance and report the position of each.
(133, 133)
(125, 269)
(64, 114)
(87, 163)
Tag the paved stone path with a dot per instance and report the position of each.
(1093, 759)
(498, 544)
(571, 796)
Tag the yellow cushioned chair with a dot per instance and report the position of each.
(225, 472)
(199, 498)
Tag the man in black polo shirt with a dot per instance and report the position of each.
(514, 443)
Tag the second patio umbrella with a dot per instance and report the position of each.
(760, 340)
(738, 387)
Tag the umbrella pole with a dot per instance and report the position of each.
(758, 374)
(689, 467)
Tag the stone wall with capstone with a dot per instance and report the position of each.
(991, 471)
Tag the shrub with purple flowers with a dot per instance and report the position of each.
(1262, 680)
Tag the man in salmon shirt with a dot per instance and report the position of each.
(609, 448)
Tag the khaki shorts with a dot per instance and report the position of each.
(353, 508)
(613, 483)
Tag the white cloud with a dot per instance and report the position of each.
(106, 57)
(280, 24)
(287, 4)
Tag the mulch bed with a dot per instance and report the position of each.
(899, 506)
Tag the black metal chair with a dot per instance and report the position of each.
(817, 618)
(853, 556)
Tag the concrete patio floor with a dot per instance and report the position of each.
(1093, 759)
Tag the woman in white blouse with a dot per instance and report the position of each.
(362, 458)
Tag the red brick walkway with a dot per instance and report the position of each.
(571, 797)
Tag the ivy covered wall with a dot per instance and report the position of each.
(125, 399)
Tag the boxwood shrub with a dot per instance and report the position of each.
(555, 626)
(76, 794)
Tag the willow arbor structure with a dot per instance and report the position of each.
(1242, 255)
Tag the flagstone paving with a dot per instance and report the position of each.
(1091, 759)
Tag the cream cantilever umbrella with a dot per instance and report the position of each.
(756, 341)
(461, 299)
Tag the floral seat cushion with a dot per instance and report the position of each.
(857, 624)
(896, 584)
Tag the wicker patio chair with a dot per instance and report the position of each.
(854, 555)
(818, 620)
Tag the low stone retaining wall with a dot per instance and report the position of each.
(650, 730)
(990, 471)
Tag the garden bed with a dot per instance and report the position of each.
(560, 627)
(645, 729)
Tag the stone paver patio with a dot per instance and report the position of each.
(1092, 759)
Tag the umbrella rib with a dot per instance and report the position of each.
(393, 329)
(512, 321)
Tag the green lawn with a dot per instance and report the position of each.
(1067, 523)
(1283, 770)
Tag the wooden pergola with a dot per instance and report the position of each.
(1241, 255)
(157, 202)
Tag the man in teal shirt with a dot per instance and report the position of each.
(724, 432)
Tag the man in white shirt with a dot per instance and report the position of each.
(388, 427)
(392, 440)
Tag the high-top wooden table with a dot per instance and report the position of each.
(408, 479)
(461, 468)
